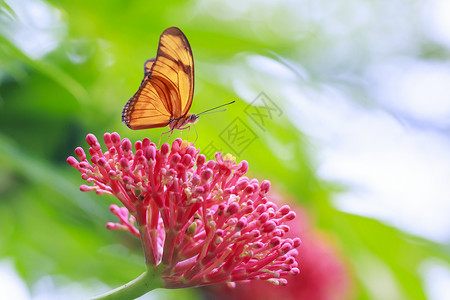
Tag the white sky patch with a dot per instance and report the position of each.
(436, 20)
(418, 89)
(263, 64)
(35, 27)
(437, 279)
(395, 174)
(60, 287)
(285, 19)
(11, 285)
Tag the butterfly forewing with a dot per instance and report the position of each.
(177, 66)
(148, 66)
(167, 90)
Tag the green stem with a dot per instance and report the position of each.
(147, 281)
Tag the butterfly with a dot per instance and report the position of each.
(165, 94)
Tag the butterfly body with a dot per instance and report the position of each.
(183, 122)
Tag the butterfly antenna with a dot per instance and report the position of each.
(216, 108)
(211, 112)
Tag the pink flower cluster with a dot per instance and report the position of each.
(325, 273)
(200, 222)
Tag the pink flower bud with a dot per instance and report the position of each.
(191, 151)
(290, 216)
(124, 164)
(94, 159)
(114, 208)
(211, 164)
(174, 160)
(102, 162)
(284, 210)
(294, 271)
(92, 141)
(219, 156)
(127, 179)
(247, 209)
(115, 139)
(242, 223)
(200, 161)
(107, 140)
(233, 208)
(145, 143)
(241, 184)
(165, 148)
(111, 226)
(258, 245)
(275, 241)
(72, 162)
(265, 187)
(126, 145)
(286, 248)
(87, 188)
(195, 180)
(263, 218)
(260, 208)
(138, 145)
(150, 153)
(242, 168)
(186, 160)
(269, 226)
(206, 175)
(79, 152)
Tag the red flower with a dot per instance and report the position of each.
(200, 222)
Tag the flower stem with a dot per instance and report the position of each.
(147, 281)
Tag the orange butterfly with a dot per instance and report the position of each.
(166, 92)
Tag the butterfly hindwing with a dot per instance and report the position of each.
(167, 89)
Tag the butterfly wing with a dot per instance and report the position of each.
(168, 88)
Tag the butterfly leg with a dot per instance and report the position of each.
(189, 130)
(195, 129)
(159, 142)
(170, 131)
(170, 134)
(196, 133)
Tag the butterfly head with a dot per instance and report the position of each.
(193, 119)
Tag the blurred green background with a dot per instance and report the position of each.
(68, 67)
